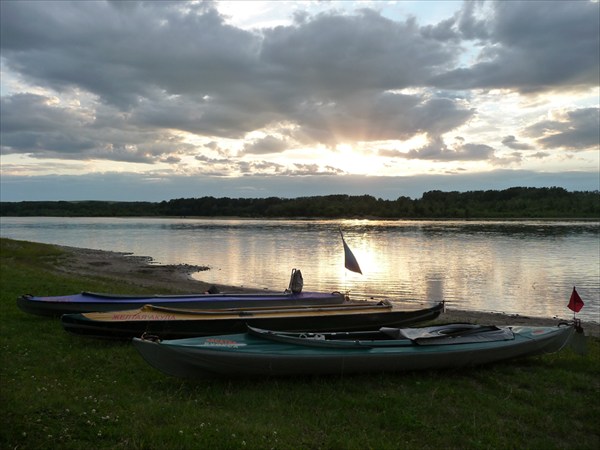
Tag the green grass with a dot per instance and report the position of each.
(63, 391)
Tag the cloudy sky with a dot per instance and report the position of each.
(156, 100)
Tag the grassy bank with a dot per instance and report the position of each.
(63, 391)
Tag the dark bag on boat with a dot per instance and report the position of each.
(296, 281)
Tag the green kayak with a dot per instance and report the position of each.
(272, 353)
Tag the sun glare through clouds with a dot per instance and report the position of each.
(218, 93)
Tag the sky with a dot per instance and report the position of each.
(150, 101)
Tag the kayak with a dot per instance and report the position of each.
(170, 323)
(91, 302)
(259, 352)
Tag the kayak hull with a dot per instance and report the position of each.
(91, 302)
(169, 323)
(248, 355)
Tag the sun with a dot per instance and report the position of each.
(354, 160)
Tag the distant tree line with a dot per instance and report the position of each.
(516, 202)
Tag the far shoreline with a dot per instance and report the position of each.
(391, 219)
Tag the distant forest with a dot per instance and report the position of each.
(516, 202)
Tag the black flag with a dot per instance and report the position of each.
(350, 261)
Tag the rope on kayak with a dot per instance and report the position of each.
(150, 337)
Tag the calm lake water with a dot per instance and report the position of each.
(517, 267)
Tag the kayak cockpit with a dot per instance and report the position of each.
(435, 335)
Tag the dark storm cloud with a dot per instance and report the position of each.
(125, 54)
(180, 66)
(38, 125)
(379, 117)
(529, 46)
(437, 150)
(31, 124)
(332, 56)
(151, 69)
(577, 129)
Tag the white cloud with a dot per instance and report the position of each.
(203, 88)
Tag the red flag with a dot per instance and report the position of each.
(575, 302)
(350, 261)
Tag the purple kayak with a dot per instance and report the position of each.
(92, 302)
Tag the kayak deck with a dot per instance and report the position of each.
(180, 323)
(249, 354)
(91, 302)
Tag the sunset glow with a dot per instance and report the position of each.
(297, 98)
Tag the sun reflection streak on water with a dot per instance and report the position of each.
(517, 267)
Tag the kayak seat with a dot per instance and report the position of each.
(392, 333)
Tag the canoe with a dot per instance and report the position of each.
(91, 302)
(271, 353)
(170, 323)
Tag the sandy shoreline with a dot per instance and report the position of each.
(141, 271)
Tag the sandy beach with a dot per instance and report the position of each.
(142, 271)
